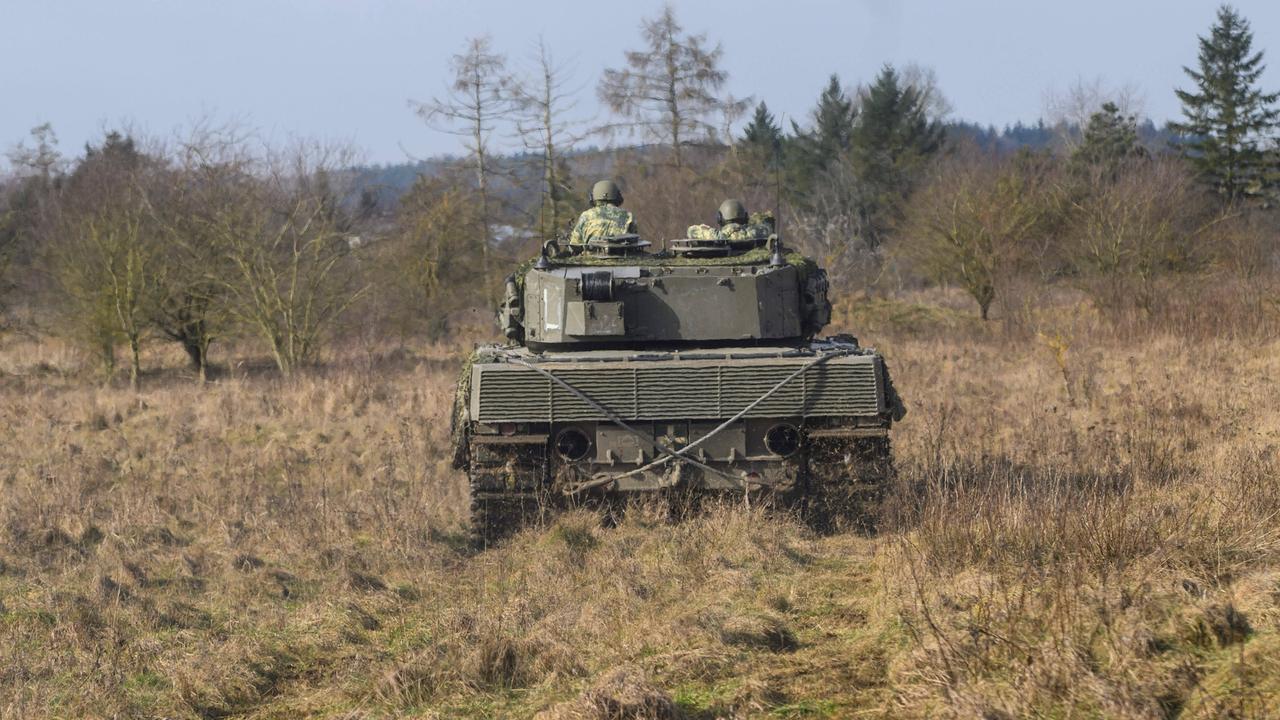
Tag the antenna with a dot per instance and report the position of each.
(542, 263)
(777, 188)
(777, 260)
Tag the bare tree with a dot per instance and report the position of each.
(668, 91)
(478, 100)
(191, 304)
(104, 254)
(543, 101)
(291, 251)
(925, 81)
(1135, 228)
(26, 200)
(667, 197)
(429, 262)
(9, 236)
(1068, 111)
(827, 226)
(732, 110)
(975, 223)
(42, 159)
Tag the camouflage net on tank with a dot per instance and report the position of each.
(897, 408)
(460, 418)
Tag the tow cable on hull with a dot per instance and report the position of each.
(668, 453)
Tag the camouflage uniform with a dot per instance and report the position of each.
(751, 231)
(759, 228)
(600, 221)
(702, 232)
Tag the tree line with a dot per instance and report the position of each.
(214, 236)
(871, 174)
(188, 244)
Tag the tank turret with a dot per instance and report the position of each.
(706, 293)
(695, 367)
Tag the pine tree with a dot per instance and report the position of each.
(760, 148)
(892, 136)
(1227, 117)
(1108, 140)
(763, 133)
(833, 122)
(893, 126)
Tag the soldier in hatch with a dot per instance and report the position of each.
(604, 218)
(735, 224)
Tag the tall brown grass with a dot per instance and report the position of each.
(1081, 527)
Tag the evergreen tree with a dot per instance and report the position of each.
(833, 122)
(893, 126)
(762, 135)
(1108, 140)
(759, 151)
(892, 136)
(1227, 117)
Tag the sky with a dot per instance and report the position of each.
(345, 70)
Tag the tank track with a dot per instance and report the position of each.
(497, 516)
(845, 483)
(842, 488)
(507, 492)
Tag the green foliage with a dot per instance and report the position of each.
(893, 124)
(1109, 140)
(890, 141)
(761, 143)
(815, 150)
(1227, 117)
(763, 133)
(853, 169)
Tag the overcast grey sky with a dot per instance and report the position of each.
(345, 69)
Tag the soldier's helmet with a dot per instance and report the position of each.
(606, 191)
(732, 211)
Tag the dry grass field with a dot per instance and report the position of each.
(1085, 524)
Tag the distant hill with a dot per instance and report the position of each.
(517, 175)
(1044, 137)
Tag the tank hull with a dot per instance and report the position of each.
(537, 432)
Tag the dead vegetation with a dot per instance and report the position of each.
(1081, 528)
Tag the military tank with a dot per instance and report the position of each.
(696, 368)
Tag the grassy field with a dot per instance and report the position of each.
(1086, 524)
